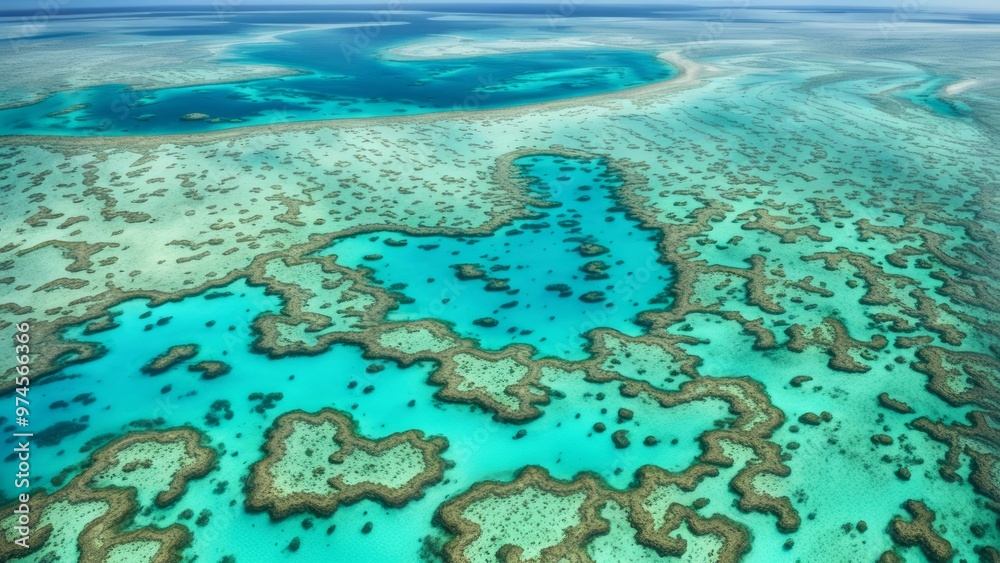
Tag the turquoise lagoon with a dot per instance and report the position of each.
(347, 81)
(838, 474)
(481, 448)
(562, 441)
(539, 258)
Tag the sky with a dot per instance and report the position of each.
(46, 5)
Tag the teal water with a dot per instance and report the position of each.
(727, 134)
(928, 94)
(339, 81)
(481, 448)
(532, 255)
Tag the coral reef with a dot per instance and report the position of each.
(315, 463)
(106, 496)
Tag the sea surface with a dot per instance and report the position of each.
(345, 72)
(795, 187)
(541, 261)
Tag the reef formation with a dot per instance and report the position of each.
(824, 278)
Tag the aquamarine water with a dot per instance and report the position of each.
(346, 81)
(481, 448)
(541, 261)
(825, 181)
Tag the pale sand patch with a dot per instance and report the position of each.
(960, 87)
